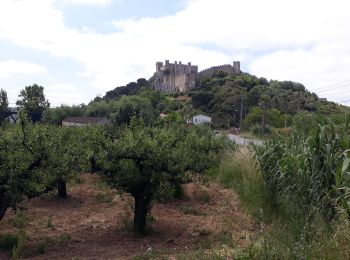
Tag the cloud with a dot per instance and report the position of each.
(65, 93)
(306, 41)
(87, 2)
(10, 68)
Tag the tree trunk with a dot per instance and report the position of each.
(93, 165)
(3, 209)
(140, 214)
(62, 189)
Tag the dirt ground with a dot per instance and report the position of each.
(95, 223)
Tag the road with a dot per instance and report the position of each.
(243, 141)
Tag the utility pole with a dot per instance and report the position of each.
(298, 102)
(263, 121)
(241, 116)
(346, 123)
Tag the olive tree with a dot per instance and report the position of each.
(142, 158)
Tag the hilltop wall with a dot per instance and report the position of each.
(228, 68)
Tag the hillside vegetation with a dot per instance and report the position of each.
(225, 98)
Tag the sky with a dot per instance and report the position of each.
(79, 49)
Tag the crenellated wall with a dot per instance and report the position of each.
(175, 77)
(228, 68)
(178, 77)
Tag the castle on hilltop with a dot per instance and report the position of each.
(178, 77)
(175, 77)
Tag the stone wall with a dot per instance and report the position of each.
(228, 68)
(178, 77)
(175, 77)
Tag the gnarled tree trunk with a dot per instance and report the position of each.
(142, 206)
(3, 209)
(62, 189)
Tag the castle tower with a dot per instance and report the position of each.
(158, 66)
(237, 67)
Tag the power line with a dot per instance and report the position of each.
(334, 84)
(336, 88)
(336, 93)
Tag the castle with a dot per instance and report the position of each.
(178, 77)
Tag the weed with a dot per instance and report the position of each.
(77, 205)
(104, 197)
(204, 233)
(64, 239)
(151, 219)
(49, 222)
(20, 220)
(192, 211)
(204, 196)
(17, 250)
(42, 247)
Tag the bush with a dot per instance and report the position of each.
(257, 130)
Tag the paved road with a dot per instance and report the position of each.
(243, 141)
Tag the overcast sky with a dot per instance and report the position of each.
(78, 49)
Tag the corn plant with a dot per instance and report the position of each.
(308, 175)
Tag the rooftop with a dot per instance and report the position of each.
(85, 120)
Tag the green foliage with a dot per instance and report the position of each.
(127, 107)
(32, 101)
(56, 115)
(257, 130)
(20, 220)
(129, 89)
(21, 155)
(66, 156)
(17, 250)
(237, 171)
(4, 105)
(308, 172)
(201, 98)
(142, 159)
(192, 211)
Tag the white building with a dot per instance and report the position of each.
(201, 119)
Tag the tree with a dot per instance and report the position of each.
(57, 115)
(65, 157)
(22, 154)
(143, 159)
(128, 106)
(4, 104)
(33, 101)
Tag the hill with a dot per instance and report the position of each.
(242, 100)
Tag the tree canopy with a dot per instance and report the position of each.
(33, 102)
(4, 105)
(142, 159)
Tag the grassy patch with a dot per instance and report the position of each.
(49, 222)
(104, 197)
(204, 196)
(238, 172)
(192, 211)
(20, 220)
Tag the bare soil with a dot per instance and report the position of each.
(95, 223)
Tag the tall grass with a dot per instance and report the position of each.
(298, 190)
(237, 171)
